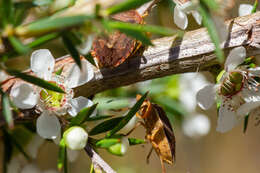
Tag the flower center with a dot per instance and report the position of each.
(232, 84)
(51, 99)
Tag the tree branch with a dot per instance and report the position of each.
(169, 56)
(97, 160)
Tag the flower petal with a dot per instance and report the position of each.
(129, 126)
(197, 17)
(23, 96)
(180, 18)
(196, 126)
(72, 155)
(79, 103)
(42, 63)
(206, 96)
(3, 76)
(227, 119)
(79, 77)
(252, 99)
(75, 138)
(244, 9)
(85, 47)
(254, 71)
(48, 126)
(235, 58)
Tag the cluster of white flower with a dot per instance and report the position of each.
(194, 125)
(52, 104)
(238, 91)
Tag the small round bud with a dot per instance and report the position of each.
(75, 138)
(119, 149)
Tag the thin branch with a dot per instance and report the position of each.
(169, 56)
(97, 160)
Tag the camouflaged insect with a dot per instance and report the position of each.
(159, 132)
(113, 49)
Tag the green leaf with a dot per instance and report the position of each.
(137, 35)
(125, 6)
(105, 126)
(90, 59)
(35, 80)
(8, 150)
(211, 4)
(129, 116)
(134, 141)
(83, 115)
(212, 30)
(254, 7)
(107, 142)
(62, 157)
(18, 46)
(6, 9)
(6, 109)
(17, 144)
(141, 28)
(246, 123)
(51, 24)
(71, 48)
(98, 117)
(41, 40)
(21, 11)
(58, 72)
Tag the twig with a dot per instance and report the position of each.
(96, 159)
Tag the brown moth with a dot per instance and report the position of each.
(113, 49)
(159, 132)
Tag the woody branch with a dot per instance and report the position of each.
(168, 56)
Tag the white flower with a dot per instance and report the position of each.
(75, 138)
(196, 126)
(238, 91)
(85, 47)
(245, 9)
(181, 11)
(51, 104)
(190, 84)
(3, 76)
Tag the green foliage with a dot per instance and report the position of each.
(50, 24)
(71, 48)
(255, 7)
(18, 45)
(126, 5)
(82, 116)
(6, 109)
(134, 141)
(212, 30)
(129, 116)
(62, 157)
(105, 126)
(107, 142)
(35, 80)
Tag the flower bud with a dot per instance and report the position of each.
(75, 138)
(129, 126)
(119, 149)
